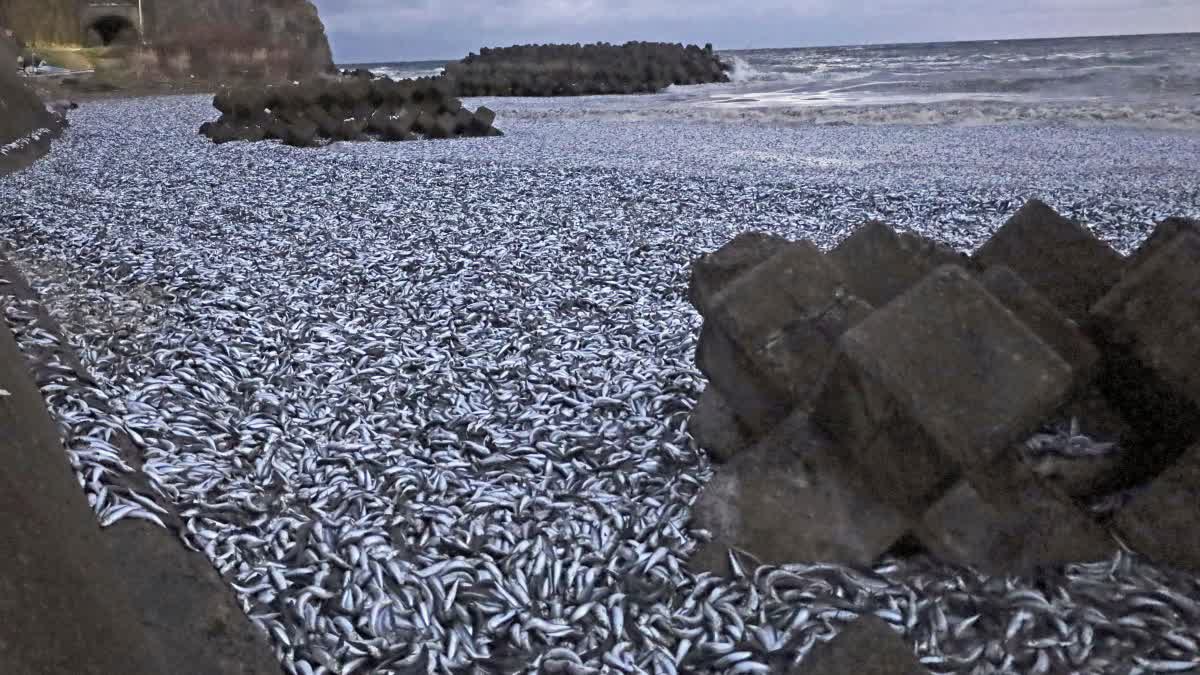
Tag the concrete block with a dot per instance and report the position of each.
(1002, 520)
(944, 377)
(790, 498)
(398, 130)
(485, 116)
(1062, 334)
(716, 428)
(712, 272)
(378, 121)
(868, 646)
(251, 133)
(1062, 259)
(734, 376)
(275, 128)
(1148, 329)
(880, 263)
(351, 129)
(1163, 523)
(220, 133)
(773, 334)
(1163, 233)
(464, 123)
(301, 135)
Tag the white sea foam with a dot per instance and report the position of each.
(401, 73)
(950, 112)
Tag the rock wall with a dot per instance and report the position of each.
(267, 39)
(26, 126)
(215, 39)
(43, 21)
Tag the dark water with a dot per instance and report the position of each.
(1135, 68)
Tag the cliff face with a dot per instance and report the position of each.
(54, 22)
(227, 38)
(207, 38)
(26, 127)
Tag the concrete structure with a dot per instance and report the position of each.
(113, 21)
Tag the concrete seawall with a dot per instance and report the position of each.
(26, 127)
(79, 600)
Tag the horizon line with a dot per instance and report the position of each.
(816, 46)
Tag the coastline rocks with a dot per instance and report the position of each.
(584, 70)
(345, 109)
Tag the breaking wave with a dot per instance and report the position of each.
(951, 113)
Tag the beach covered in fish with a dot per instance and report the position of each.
(425, 405)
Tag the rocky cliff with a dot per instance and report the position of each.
(53, 22)
(26, 126)
(215, 39)
(259, 39)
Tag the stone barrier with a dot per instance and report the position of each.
(352, 108)
(986, 406)
(581, 70)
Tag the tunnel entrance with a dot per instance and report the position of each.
(112, 30)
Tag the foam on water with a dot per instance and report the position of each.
(1134, 81)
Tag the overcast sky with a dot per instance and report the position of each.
(406, 30)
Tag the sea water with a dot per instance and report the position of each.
(1149, 80)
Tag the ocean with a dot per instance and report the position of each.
(1150, 81)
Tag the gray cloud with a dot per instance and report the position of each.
(380, 30)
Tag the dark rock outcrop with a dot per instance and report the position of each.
(223, 39)
(345, 109)
(580, 70)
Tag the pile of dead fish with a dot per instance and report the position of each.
(345, 109)
(423, 428)
(581, 70)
